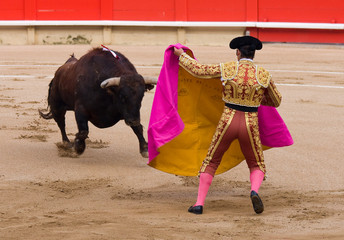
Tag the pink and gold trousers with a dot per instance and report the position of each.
(233, 125)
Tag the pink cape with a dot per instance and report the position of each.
(165, 122)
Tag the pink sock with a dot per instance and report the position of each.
(256, 178)
(204, 184)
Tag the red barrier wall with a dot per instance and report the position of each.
(316, 11)
(12, 10)
(313, 11)
(308, 11)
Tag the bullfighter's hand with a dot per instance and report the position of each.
(178, 51)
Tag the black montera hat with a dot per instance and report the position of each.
(238, 42)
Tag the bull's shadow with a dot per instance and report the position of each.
(102, 87)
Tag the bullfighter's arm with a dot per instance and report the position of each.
(272, 97)
(199, 70)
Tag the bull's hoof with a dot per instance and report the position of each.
(68, 145)
(79, 146)
(144, 154)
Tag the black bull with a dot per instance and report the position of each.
(76, 86)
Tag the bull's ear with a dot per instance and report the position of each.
(149, 87)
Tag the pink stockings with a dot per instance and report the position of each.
(205, 180)
(256, 178)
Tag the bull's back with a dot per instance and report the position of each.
(64, 84)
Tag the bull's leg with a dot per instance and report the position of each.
(59, 117)
(79, 142)
(138, 130)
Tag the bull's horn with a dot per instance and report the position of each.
(151, 80)
(110, 82)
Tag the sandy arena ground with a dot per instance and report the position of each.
(110, 193)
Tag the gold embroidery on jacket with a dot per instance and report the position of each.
(242, 86)
(272, 96)
(197, 69)
(263, 77)
(243, 82)
(228, 70)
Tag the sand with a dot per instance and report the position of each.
(109, 192)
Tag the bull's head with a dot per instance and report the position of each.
(128, 91)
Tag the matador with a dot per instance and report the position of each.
(246, 86)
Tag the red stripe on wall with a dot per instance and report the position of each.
(315, 11)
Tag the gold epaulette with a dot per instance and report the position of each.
(229, 70)
(263, 77)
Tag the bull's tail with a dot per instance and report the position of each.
(49, 114)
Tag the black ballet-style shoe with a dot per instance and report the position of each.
(257, 202)
(196, 209)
